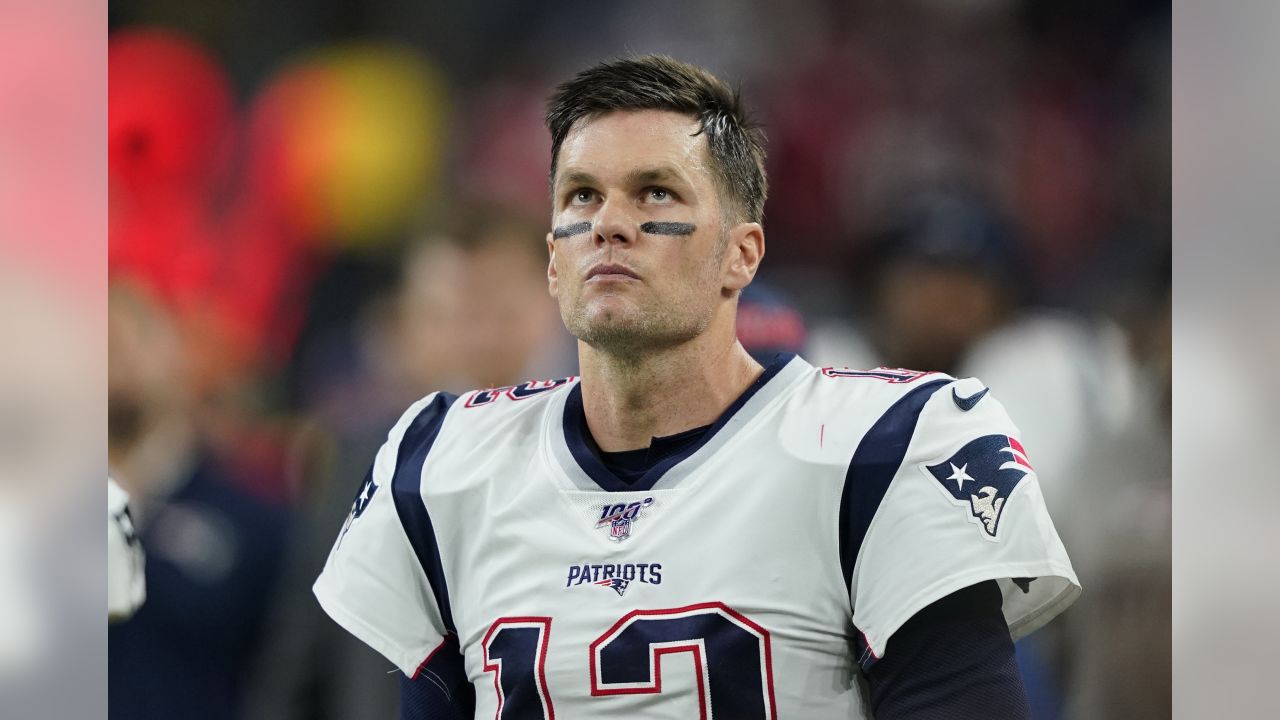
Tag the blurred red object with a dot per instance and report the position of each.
(170, 122)
(181, 221)
(171, 114)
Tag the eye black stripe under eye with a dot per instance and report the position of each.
(565, 231)
(668, 228)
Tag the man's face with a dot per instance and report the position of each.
(930, 316)
(638, 246)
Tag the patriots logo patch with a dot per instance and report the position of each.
(982, 475)
(619, 585)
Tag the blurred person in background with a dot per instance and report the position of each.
(213, 549)
(1117, 640)
(510, 331)
(468, 308)
(948, 288)
(220, 224)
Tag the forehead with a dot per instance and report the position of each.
(627, 140)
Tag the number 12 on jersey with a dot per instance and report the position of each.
(732, 661)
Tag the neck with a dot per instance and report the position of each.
(630, 400)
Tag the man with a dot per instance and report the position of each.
(213, 550)
(682, 532)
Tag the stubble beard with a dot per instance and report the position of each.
(631, 333)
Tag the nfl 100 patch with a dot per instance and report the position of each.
(619, 518)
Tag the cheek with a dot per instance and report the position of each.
(702, 271)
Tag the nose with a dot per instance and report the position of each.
(614, 223)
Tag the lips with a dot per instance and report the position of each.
(611, 271)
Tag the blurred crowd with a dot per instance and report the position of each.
(316, 219)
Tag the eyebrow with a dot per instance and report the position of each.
(577, 177)
(641, 176)
(662, 173)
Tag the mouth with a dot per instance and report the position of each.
(605, 272)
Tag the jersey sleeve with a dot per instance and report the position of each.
(963, 506)
(382, 581)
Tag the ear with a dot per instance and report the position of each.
(743, 255)
(552, 278)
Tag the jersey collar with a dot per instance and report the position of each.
(570, 442)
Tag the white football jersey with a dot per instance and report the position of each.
(745, 577)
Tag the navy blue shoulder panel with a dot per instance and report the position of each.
(406, 489)
(874, 464)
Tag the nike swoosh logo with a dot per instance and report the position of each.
(967, 403)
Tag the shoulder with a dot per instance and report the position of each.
(911, 412)
(958, 412)
(883, 394)
(849, 402)
(498, 404)
(880, 383)
(513, 399)
(920, 415)
(475, 419)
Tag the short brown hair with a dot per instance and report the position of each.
(658, 82)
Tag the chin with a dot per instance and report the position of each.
(605, 327)
(609, 314)
(609, 329)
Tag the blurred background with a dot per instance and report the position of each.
(320, 212)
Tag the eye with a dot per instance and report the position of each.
(658, 195)
(581, 196)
